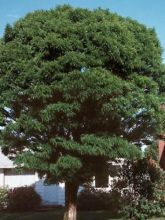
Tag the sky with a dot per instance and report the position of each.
(148, 12)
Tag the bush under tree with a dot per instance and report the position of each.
(23, 199)
(91, 199)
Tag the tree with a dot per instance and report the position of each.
(78, 88)
(8, 36)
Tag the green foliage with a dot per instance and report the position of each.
(96, 199)
(143, 210)
(159, 189)
(92, 199)
(78, 88)
(23, 199)
(141, 183)
(8, 35)
(139, 178)
(3, 198)
(152, 151)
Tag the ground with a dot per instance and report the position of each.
(100, 215)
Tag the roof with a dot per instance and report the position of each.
(5, 162)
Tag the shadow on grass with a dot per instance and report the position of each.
(57, 215)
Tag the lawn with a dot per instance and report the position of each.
(58, 215)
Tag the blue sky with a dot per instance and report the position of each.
(149, 12)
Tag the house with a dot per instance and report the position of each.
(50, 194)
(9, 177)
(161, 147)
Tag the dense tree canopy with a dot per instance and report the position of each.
(78, 88)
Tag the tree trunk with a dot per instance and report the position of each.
(71, 190)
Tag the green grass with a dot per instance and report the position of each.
(58, 215)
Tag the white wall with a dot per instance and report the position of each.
(1, 177)
(13, 179)
(50, 194)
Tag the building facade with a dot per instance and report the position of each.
(161, 147)
(50, 194)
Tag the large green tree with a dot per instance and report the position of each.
(78, 88)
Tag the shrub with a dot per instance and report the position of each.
(93, 199)
(23, 199)
(3, 198)
(142, 210)
(142, 184)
